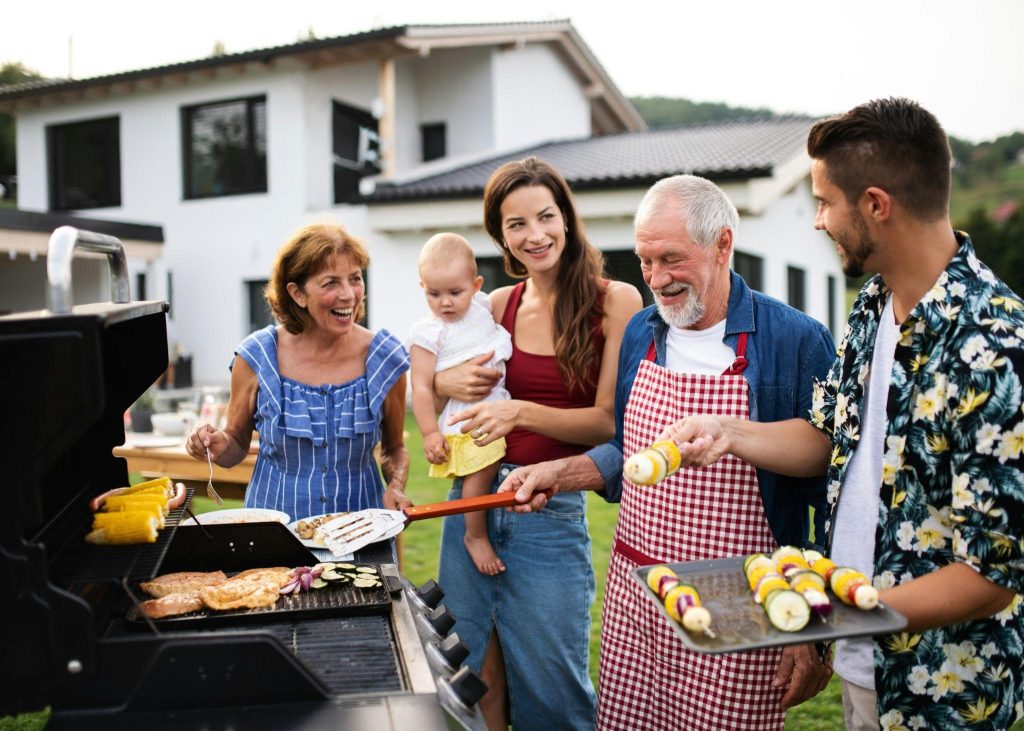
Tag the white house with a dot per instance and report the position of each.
(761, 164)
(392, 132)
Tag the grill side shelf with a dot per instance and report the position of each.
(73, 561)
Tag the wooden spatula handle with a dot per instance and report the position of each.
(462, 505)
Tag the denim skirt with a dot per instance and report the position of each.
(539, 606)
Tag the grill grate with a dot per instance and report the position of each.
(349, 654)
(334, 599)
(73, 561)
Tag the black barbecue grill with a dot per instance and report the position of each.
(71, 634)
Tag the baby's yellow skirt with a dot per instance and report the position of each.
(465, 458)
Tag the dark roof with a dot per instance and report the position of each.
(734, 150)
(262, 55)
(12, 219)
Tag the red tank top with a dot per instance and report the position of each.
(532, 377)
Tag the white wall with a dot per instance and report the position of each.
(783, 234)
(212, 245)
(407, 120)
(536, 98)
(455, 86)
(23, 282)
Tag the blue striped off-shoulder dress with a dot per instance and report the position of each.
(316, 442)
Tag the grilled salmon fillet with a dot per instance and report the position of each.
(242, 593)
(182, 582)
(172, 605)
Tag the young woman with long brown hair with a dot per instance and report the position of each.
(528, 627)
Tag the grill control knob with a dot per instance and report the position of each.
(468, 686)
(453, 650)
(441, 620)
(447, 655)
(430, 593)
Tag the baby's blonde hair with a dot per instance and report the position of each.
(446, 247)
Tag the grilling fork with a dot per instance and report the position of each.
(210, 492)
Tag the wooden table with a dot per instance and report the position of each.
(178, 465)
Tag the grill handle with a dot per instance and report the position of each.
(61, 250)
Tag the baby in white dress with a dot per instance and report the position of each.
(461, 327)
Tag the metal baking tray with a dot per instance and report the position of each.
(738, 623)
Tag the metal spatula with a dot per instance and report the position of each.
(351, 532)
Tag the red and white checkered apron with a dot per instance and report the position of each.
(648, 679)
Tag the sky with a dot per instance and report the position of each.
(964, 61)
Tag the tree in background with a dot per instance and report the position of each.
(1000, 245)
(11, 72)
(662, 111)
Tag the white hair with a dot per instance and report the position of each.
(703, 205)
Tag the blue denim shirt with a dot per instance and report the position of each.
(786, 351)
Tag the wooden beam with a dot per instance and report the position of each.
(386, 123)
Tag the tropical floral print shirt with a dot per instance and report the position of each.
(952, 488)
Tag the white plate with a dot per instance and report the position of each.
(310, 543)
(240, 515)
(152, 441)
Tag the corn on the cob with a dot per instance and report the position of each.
(136, 527)
(100, 520)
(131, 502)
(164, 482)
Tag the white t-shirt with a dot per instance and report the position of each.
(700, 352)
(475, 333)
(853, 534)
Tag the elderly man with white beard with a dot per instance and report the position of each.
(709, 345)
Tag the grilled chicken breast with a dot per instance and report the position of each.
(245, 592)
(182, 582)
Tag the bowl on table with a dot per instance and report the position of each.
(172, 423)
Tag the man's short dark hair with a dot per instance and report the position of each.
(893, 144)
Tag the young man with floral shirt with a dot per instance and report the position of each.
(919, 423)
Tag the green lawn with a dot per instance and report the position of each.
(421, 541)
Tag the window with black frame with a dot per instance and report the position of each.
(225, 147)
(796, 288)
(85, 164)
(260, 314)
(751, 268)
(434, 139)
(356, 148)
